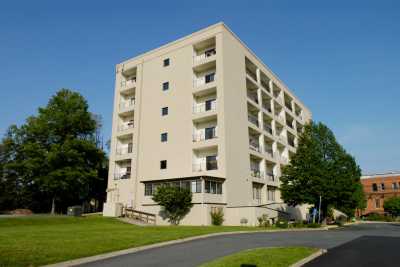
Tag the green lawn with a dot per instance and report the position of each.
(263, 257)
(39, 240)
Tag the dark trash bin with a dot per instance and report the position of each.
(74, 211)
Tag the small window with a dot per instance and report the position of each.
(382, 186)
(148, 189)
(164, 111)
(210, 104)
(164, 137)
(165, 86)
(166, 62)
(163, 164)
(196, 186)
(210, 77)
(374, 187)
(377, 203)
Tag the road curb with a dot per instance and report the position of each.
(309, 258)
(112, 254)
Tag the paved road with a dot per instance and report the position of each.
(196, 252)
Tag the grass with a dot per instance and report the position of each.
(263, 257)
(39, 240)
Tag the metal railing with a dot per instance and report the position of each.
(140, 215)
(119, 176)
(126, 105)
(251, 74)
(201, 136)
(125, 126)
(124, 150)
(204, 107)
(204, 55)
(205, 166)
(253, 97)
(268, 129)
(128, 83)
(197, 82)
(254, 146)
(256, 173)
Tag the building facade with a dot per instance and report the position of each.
(378, 188)
(203, 113)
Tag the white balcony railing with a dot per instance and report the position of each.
(205, 166)
(122, 175)
(131, 83)
(253, 97)
(204, 107)
(200, 81)
(204, 55)
(127, 105)
(125, 126)
(124, 150)
(203, 135)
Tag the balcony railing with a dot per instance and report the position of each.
(127, 105)
(256, 173)
(251, 74)
(124, 150)
(128, 83)
(125, 126)
(205, 166)
(269, 151)
(267, 108)
(265, 85)
(209, 78)
(253, 119)
(253, 97)
(254, 146)
(280, 118)
(206, 54)
(291, 142)
(204, 135)
(204, 107)
(118, 176)
(270, 177)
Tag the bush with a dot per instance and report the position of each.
(392, 206)
(281, 223)
(378, 217)
(298, 224)
(263, 220)
(217, 217)
(175, 201)
(313, 225)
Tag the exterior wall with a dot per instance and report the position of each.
(380, 195)
(231, 120)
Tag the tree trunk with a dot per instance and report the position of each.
(53, 206)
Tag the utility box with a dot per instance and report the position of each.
(74, 211)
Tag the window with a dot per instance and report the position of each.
(377, 203)
(165, 86)
(166, 62)
(164, 137)
(395, 186)
(196, 186)
(257, 191)
(210, 77)
(148, 189)
(213, 187)
(163, 164)
(130, 147)
(209, 104)
(210, 52)
(209, 133)
(271, 193)
(164, 111)
(211, 163)
(374, 187)
(382, 186)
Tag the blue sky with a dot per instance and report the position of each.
(342, 59)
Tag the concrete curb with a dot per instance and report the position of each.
(309, 258)
(166, 243)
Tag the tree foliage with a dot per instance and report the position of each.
(321, 167)
(392, 205)
(176, 202)
(53, 157)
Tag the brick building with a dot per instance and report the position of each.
(378, 188)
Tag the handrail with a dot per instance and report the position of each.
(140, 215)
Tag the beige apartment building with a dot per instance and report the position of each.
(204, 113)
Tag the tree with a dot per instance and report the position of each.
(54, 157)
(392, 205)
(322, 168)
(176, 202)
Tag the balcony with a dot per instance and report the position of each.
(253, 119)
(205, 106)
(253, 96)
(127, 105)
(270, 177)
(122, 175)
(205, 166)
(125, 126)
(256, 173)
(203, 80)
(124, 150)
(128, 84)
(269, 151)
(268, 128)
(204, 55)
(205, 134)
(254, 145)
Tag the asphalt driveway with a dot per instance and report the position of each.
(353, 244)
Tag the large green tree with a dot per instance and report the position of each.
(54, 156)
(392, 205)
(322, 168)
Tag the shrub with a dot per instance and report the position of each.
(217, 217)
(313, 225)
(392, 206)
(378, 217)
(298, 224)
(175, 201)
(263, 220)
(281, 223)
